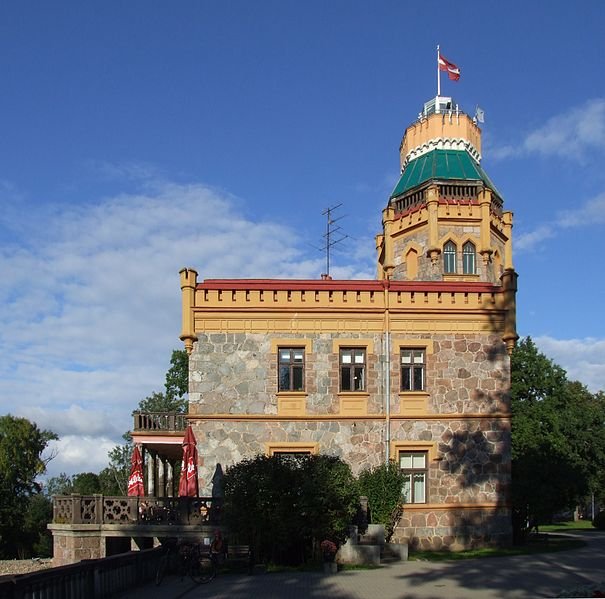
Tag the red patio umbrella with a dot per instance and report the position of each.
(135, 480)
(188, 486)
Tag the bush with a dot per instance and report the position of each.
(383, 487)
(283, 508)
(599, 520)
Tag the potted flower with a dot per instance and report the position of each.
(328, 553)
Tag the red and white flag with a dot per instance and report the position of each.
(453, 72)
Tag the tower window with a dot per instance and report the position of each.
(449, 257)
(468, 258)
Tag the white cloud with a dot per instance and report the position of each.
(583, 359)
(588, 214)
(570, 134)
(591, 213)
(90, 300)
(77, 453)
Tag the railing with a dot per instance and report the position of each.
(159, 421)
(99, 509)
(94, 579)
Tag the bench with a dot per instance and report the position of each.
(240, 554)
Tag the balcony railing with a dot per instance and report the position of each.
(159, 421)
(100, 509)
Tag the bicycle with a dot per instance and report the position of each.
(165, 560)
(203, 568)
(200, 566)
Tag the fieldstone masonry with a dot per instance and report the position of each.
(235, 374)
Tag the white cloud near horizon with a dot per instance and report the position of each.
(90, 300)
(582, 359)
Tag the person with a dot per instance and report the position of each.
(217, 547)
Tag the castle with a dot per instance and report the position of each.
(412, 366)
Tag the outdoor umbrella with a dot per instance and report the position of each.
(135, 480)
(188, 483)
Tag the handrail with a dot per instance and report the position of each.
(94, 579)
(159, 421)
(100, 509)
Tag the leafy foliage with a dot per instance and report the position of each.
(177, 377)
(22, 444)
(383, 486)
(558, 448)
(285, 507)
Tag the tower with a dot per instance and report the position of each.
(444, 220)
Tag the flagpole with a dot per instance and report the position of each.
(438, 74)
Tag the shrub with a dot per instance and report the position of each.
(383, 486)
(283, 508)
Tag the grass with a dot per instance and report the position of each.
(567, 526)
(542, 543)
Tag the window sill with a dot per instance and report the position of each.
(455, 276)
(353, 403)
(292, 403)
(413, 403)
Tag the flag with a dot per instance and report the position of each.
(479, 115)
(453, 72)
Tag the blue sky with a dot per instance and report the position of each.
(140, 137)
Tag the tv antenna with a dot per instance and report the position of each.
(333, 234)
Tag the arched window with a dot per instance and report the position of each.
(468, 258)
(449, 257)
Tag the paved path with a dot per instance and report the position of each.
(519, 577)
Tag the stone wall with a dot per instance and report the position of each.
(236, 373)
(454, 529)
(233, 383)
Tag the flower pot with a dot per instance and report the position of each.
(330, 567)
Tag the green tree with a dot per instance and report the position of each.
(284, 507)
(58, 485)
(22, 444)
(36, 539)
(557, 443)
(177, 377)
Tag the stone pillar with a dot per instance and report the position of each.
(161, 490)
(169, 479)
(507, 217)
(150, 474)
(509, 284)
(432, 204)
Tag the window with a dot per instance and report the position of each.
(412, 369)
(291, 369)
(352, 369)
(468, 258)
(413, 464)
(295, 458)
(449, 257)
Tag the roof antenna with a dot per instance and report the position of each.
(332, 236)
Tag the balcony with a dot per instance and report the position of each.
(98, 526)
(159, 422)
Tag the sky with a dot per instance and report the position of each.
(140, 137)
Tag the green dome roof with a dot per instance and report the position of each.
(441, 165)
